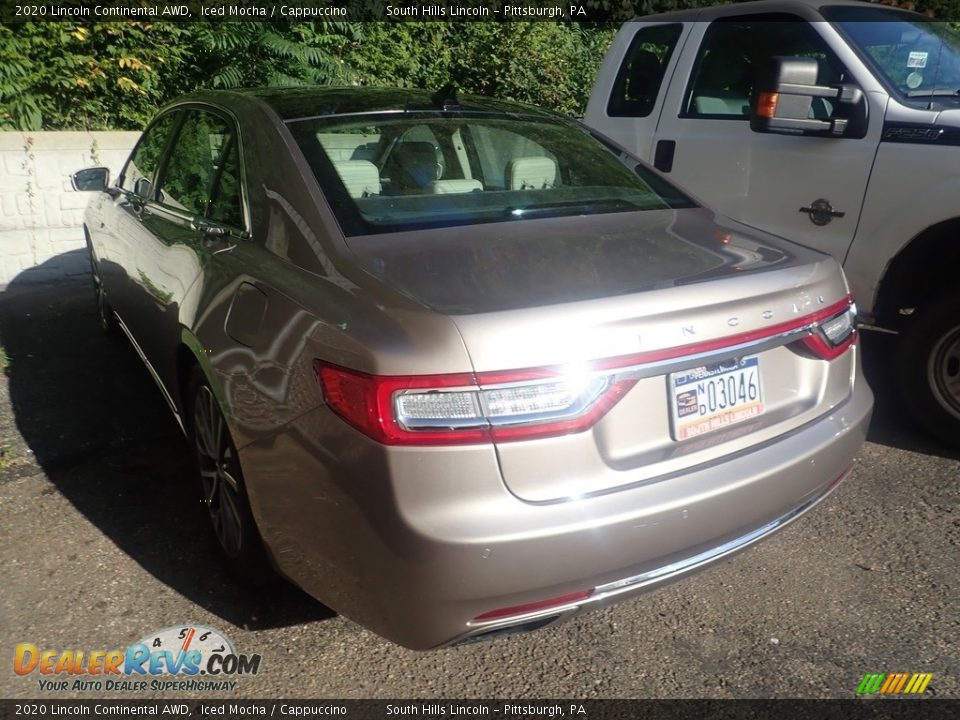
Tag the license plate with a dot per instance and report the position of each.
(713, 397)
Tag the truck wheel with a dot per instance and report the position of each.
(929, 368)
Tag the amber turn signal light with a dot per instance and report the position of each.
(767, 104)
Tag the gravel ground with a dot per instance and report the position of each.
(102, 542)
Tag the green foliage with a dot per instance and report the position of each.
(61, 76)
(402, 54)
(543, 63)
(56, 75)
(253, 53)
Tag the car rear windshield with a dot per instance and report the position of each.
(402, 171)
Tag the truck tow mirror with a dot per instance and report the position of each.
(789, 102)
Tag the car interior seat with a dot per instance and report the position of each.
(531, 173)
(360, 177)
(445, 187)
(723, 87)
(413, 166)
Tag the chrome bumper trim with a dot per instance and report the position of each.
(655, 576)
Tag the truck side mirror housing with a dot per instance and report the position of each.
(789, 102)
(90, 179)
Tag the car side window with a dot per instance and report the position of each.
(735, 49)
(638, 82)
(202, 175)
(140, 173)
(226, 203)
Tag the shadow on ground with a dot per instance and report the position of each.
(92, 419)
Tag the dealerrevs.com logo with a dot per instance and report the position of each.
(197, 658)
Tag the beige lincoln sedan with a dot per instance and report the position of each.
(460, 367)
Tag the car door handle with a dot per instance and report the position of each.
(663, 155)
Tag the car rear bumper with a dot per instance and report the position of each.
(415, 544)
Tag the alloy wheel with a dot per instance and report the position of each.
(103, 309)
(218, 472)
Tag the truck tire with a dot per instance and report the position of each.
(929, 368)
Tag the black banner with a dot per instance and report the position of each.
(853, 709)
(316, 10)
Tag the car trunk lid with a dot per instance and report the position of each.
(710, 304)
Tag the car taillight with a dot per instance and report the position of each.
(465, 408)
(833, 335)
(468, 408)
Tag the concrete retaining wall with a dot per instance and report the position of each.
(40, 214)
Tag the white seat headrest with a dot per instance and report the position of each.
(360, 177)
(531, 173)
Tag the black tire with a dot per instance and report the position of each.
(222, 489)
(105, 317)
(929, 368)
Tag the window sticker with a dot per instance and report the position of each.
(914, 80)
(917, 60)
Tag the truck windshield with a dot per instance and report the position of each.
(919, 58)
(407, 170)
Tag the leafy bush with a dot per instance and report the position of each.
(60, 76)
(548, 64)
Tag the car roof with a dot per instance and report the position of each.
(804, 8)
(315, 101)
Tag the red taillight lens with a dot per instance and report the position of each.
(367, 403)
(467, 408)
(835, 332)
(534, 606)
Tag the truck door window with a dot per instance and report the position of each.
(641, 75)
(735, 49)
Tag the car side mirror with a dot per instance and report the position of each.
(95, 179)
(143, 188)
(790, 102)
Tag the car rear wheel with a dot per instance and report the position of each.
(929, 364)
(222, 488)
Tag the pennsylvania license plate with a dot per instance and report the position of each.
(713, 397)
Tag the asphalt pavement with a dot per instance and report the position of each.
(103, 542)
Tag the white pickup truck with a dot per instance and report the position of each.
(832, 123)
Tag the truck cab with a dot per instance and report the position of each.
(834, 124)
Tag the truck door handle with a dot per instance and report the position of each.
(663, 155)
